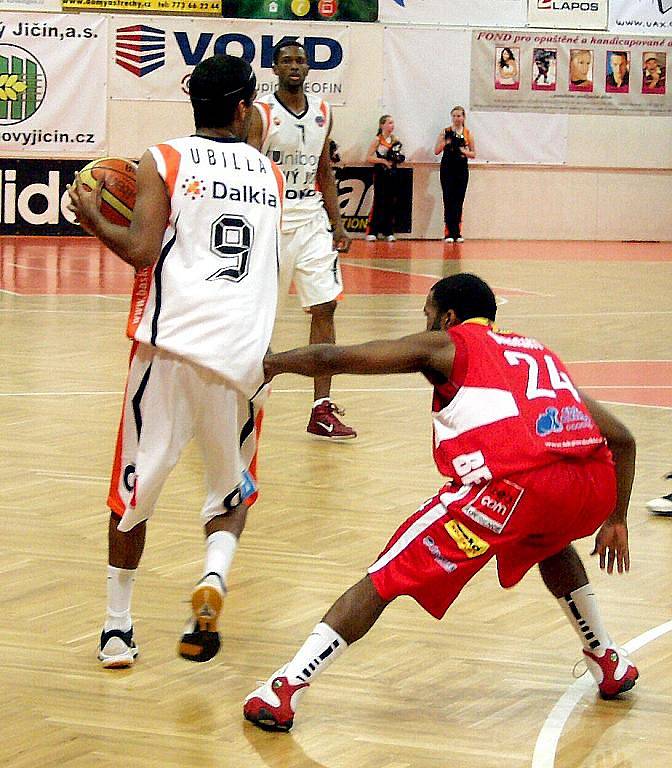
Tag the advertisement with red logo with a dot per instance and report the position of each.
(306, 10)
(568, 14)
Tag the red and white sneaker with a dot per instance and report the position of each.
(324, 423)
(273, 705)
(614, 673)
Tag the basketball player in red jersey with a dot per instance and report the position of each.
(531, 465)
(204, 243)
(293, 129)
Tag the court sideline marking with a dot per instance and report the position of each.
(549, 736)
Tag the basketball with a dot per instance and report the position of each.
(117, 177)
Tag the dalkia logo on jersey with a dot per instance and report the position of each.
(565, 5)
(23, 84)
(140, 49)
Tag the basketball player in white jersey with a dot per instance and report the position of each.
(204, 243)
(293, 130)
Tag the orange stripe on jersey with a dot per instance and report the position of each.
(139, 297)
(114, 500)
(171, 157)
(266, 123)
(281, 181)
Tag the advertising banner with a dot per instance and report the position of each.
(569, 72)
(355, 196)
(52, 84)
(419, 120)
(640, 17)
(457, 13)
(30, 5)
(35, 198)
(302, 10)
(568, 14)
(172, 7)
(152, 59)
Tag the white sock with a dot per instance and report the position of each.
(320, 400)
(220, 548)
(583, 612)
(119, 592)
(323, 646)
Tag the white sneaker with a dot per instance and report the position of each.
(660, 506)
(390, 238)
(448, 240)
(459, 240)
(117, 649)
(370, 238)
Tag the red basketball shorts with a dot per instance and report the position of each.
(521, 520)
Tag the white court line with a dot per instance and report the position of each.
(549, 736)
(10, 293)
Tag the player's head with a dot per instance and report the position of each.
(222, 89)
(290, 64)
(385, 123)
(457, 298)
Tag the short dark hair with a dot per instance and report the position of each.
(287, 42)
(467, 295)
(216, 86)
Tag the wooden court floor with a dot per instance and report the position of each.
(491, 686)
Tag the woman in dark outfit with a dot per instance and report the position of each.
(457, 145)
(384, 155)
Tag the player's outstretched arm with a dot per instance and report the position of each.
(139, 244)
(427, 351)
(611, 542)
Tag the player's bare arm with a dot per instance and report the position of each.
(611, 542)
(327, 184)
(255, 132)
(429, 351)
(140, 244)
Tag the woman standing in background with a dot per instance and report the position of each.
(384, 154)
(457, 145)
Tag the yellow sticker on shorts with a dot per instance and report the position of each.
(471, 544)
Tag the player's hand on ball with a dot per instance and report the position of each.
(84, 203)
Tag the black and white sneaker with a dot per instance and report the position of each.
(200, 640)
(117, 649)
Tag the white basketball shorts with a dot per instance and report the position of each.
(168, 402)
(307, 257)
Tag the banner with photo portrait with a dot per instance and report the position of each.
(44, 60)
(562, 14)
(569, 72)
(456, 13)
(640, 17)
(152, 58)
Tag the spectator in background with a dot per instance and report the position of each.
(618, 72)
(456, 146)
(384, 155)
